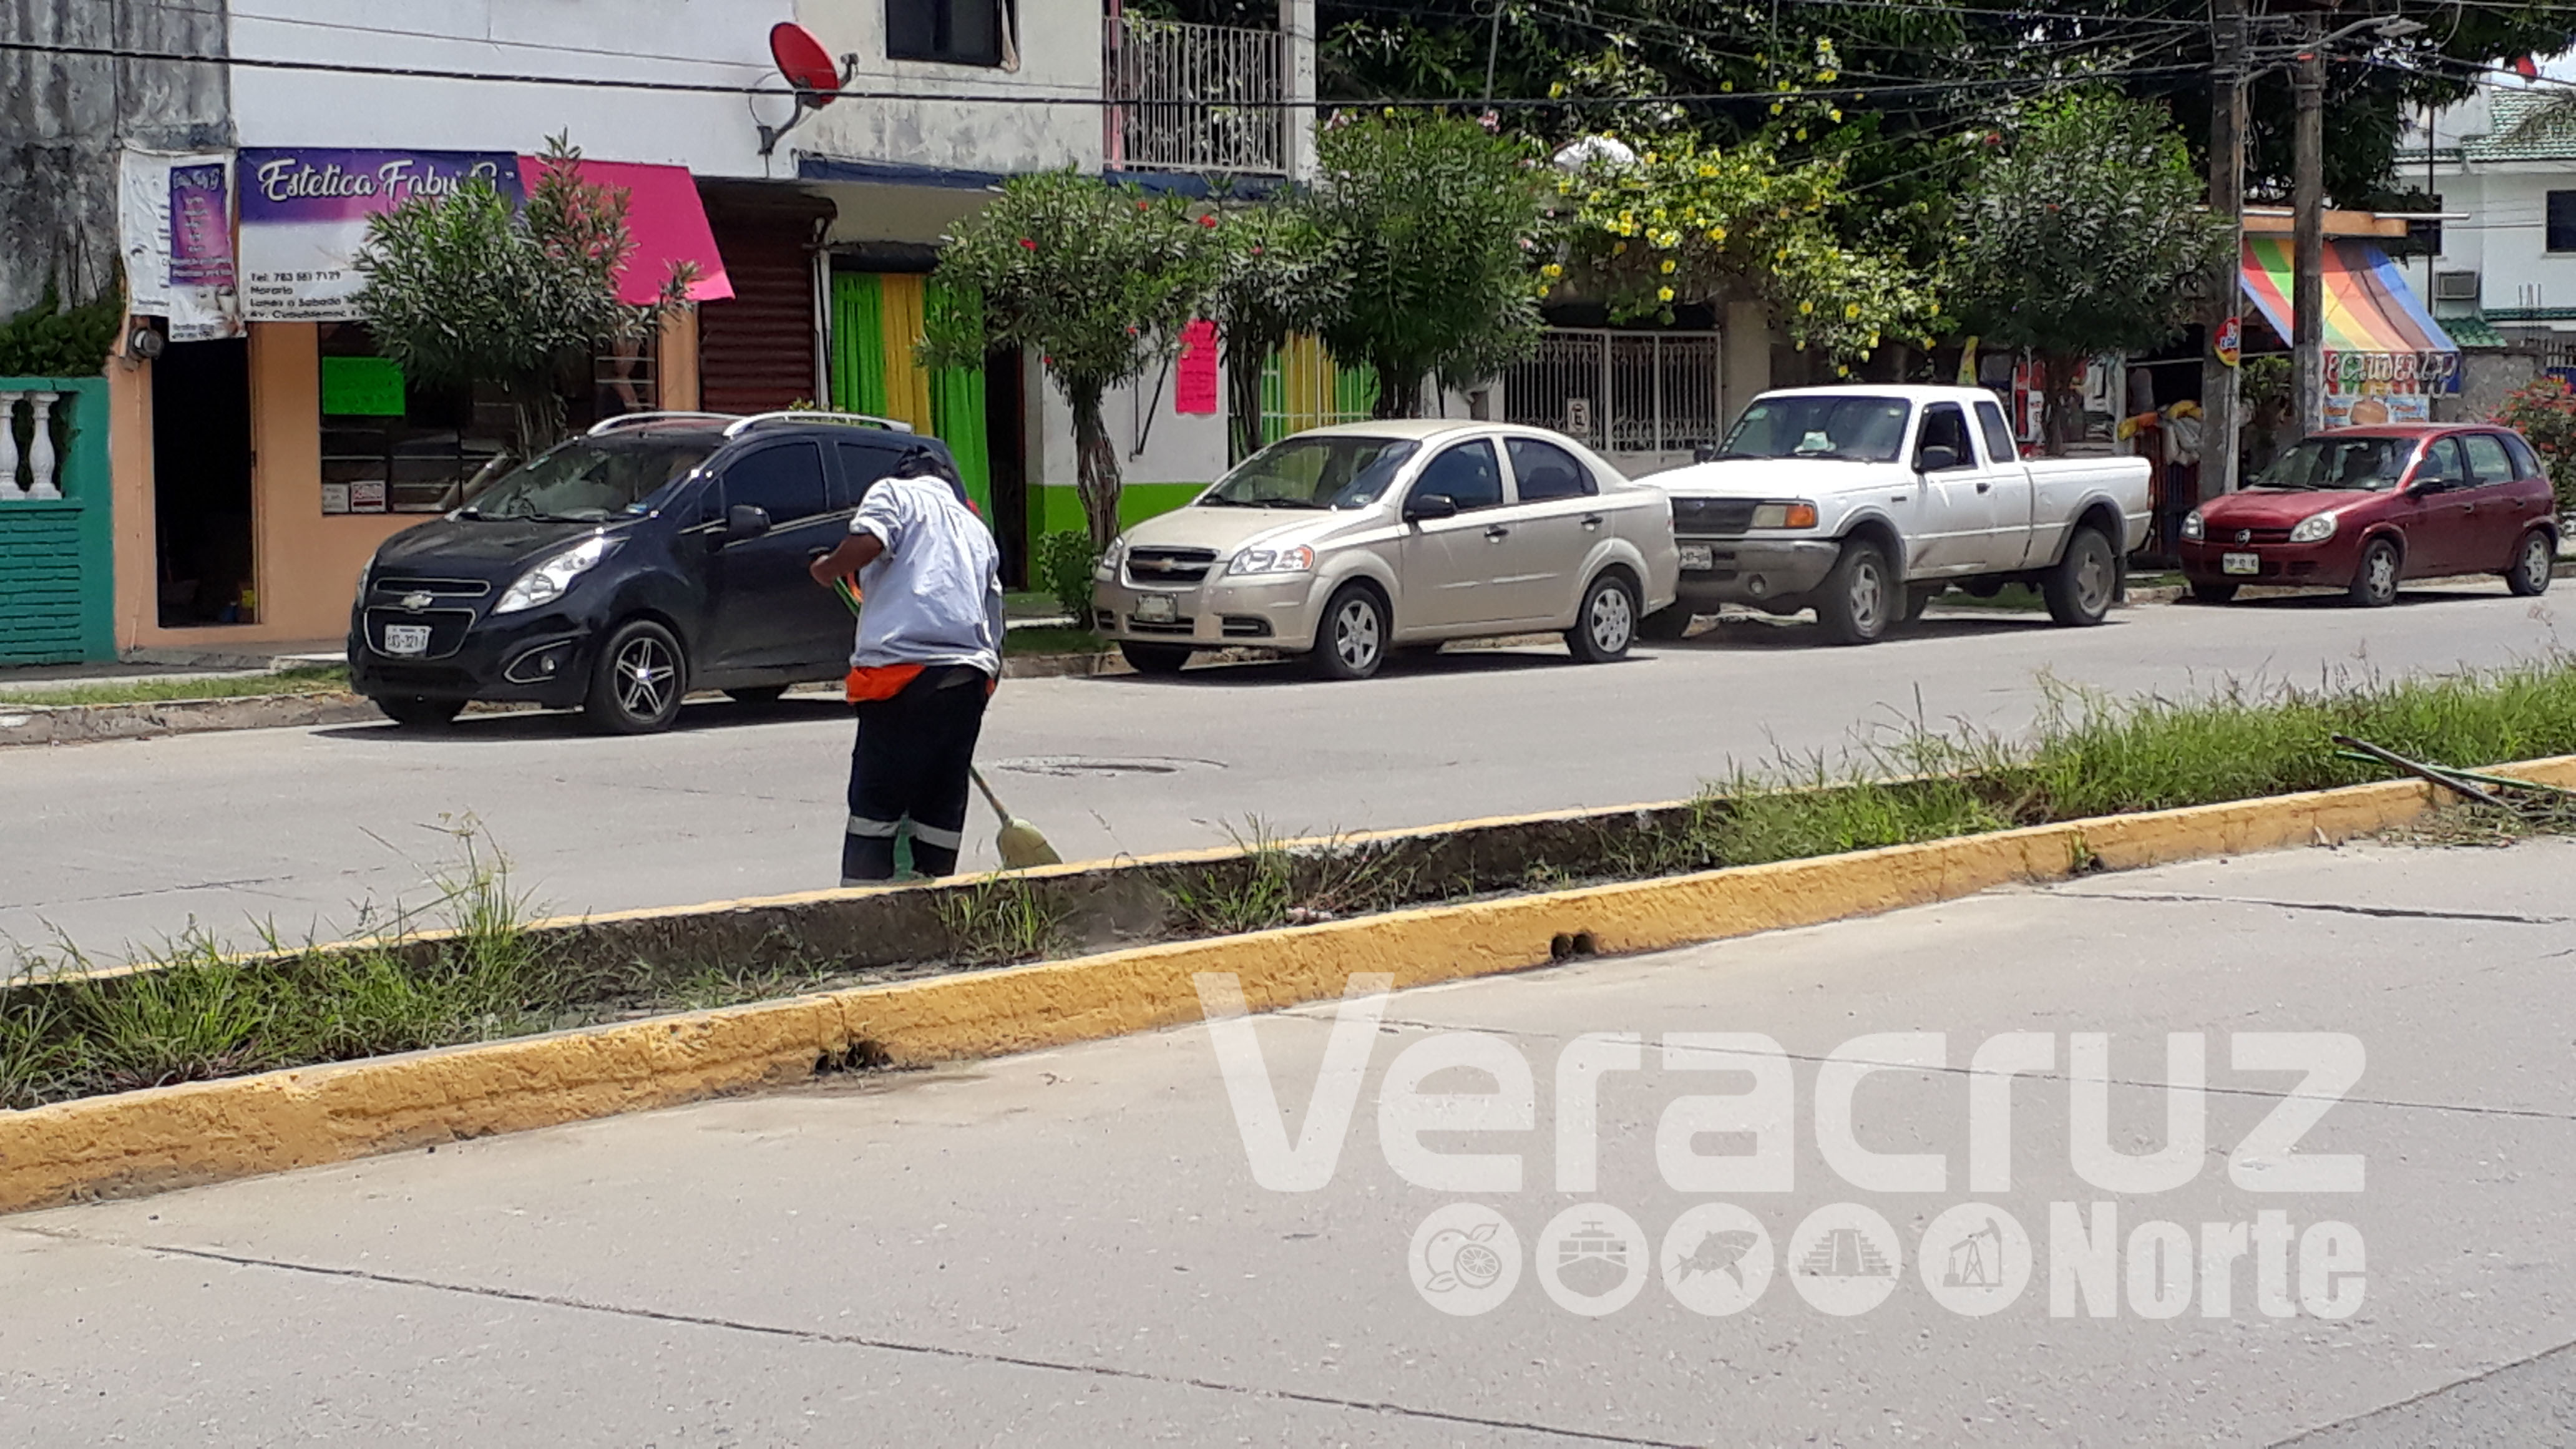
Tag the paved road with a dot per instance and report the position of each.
(1070, 1247)
(125, 843)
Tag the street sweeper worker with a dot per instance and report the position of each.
(929, 651)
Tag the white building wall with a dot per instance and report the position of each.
(721, 42)
(1058, 52)
(2504, 235)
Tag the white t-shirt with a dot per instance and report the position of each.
(935, 595)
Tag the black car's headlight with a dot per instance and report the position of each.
(547, 581)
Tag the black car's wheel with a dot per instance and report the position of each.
(1667, 624)
(418, 712)
(2204, 593)
(2533, 559)
(758, 694)
(2374, 584)
(1861, 597)
(1154, 658)
(1351, 641)
(2080, 589)
(637, 680)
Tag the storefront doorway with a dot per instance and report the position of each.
(201, 487)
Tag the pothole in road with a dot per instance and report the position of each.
(1069, 766)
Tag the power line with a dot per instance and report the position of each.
(1865, 91)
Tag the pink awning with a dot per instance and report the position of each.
(668, 223)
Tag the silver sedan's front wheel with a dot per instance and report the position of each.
(1351, 641)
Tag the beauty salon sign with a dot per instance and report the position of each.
(304, 215)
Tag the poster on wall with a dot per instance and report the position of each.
(1195, 385)
(2348, 410)
(176, 235)
(304, 215)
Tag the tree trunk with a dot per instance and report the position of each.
(537, 414)
(1397, 398)
(1096, 465)
(1245, 361)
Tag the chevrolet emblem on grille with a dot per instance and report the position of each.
(416, 602)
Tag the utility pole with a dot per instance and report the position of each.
(2308, 201)
(1493, 43)
(2219, 392)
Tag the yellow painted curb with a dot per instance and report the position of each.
(204, 1132)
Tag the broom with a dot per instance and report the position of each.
(1020, 844)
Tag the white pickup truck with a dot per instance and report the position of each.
(1864, 502)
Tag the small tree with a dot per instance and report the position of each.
(1099, 280)
(1283, 272)
(1440, 217)
(1691, 222)
(2082, 234)
(462, 289)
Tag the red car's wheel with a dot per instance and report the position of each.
(2374, 583)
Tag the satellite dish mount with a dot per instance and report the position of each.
(809, 68)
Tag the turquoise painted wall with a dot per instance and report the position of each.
(57, 564)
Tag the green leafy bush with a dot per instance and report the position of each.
(1064, 564)
(51, 340)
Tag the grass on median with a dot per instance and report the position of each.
(204, 1014)
(303, 679)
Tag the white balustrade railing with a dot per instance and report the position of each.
(39, 459)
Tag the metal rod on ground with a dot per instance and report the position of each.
(2432, 773)
(2502, 781)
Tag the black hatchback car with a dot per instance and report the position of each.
(658, 553)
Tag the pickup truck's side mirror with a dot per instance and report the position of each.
(745, 521)
(1429, 505)
(1935, 458)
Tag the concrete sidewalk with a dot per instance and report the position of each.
(1071, 1248)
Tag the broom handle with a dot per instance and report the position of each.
(989, 797)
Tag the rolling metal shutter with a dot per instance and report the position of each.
(756, 351)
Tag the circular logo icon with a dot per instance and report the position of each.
(1716, 1259)
(1592, 1259)
(1844, 1259)
(1465, 1259)
(1976, 1259)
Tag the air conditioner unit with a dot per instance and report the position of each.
(2455, 286)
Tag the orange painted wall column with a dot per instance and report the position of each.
(679, 361)
(129, 471)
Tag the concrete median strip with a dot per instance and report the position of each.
(172, 1136)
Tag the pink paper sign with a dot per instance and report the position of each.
(1194, 390)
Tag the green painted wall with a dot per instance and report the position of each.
(57, 580)
(1057, 508)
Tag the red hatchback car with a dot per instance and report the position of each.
(2362, 508)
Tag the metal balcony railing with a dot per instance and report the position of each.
(1195, 98)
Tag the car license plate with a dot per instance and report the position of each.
(1157, 609)
(406, 638)
(2241, 563)
(1698, 556)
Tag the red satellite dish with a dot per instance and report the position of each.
(806, 64)
(2527, 68)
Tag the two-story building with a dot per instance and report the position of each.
(262, 450)
(2500, 270)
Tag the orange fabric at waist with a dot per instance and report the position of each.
(878, 681)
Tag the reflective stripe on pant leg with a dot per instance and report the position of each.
(874, 829)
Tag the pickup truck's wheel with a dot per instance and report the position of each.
(2080, 589)
(1859, 599)
(2212, 593)
(2533, 559)
(2374, 584)
(1606, 624)
(1667, 625)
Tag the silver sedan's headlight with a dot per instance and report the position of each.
(2193, 528)
(547, 581)
(1296, 560)
(2315, 528)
